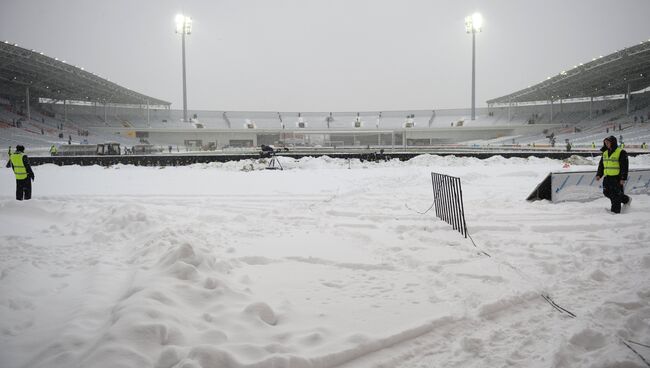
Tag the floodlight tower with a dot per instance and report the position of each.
(473, 25)
(184, 27)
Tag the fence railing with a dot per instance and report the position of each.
(448, 201)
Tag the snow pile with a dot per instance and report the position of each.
(327, 263)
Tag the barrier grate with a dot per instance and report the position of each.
(448, 201)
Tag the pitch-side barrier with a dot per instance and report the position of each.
(583, 186)
(188, 159)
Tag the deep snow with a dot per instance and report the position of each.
(327, 263)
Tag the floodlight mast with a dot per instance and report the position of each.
(184, 27)
(473, 25)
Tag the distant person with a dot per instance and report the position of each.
(613, 168)
(170, 149)
(568, 146)
(53, 150)
(593, 145)
(644, 146)
(267, 151)
(19, 162)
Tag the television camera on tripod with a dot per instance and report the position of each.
(269, 152)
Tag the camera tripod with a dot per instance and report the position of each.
(274, 163)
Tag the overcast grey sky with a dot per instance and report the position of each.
(325, 55)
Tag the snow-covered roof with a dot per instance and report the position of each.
(51, 78)
(603, 76)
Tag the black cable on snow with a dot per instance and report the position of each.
(421, 213)
(476, 246)
(556, 306)
(638, 343)
(545, 296)
(636, 352)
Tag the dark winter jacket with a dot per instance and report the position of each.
(622, 159)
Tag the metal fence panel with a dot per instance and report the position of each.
(448, 201)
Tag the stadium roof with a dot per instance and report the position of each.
(603, 76)
(50, 78)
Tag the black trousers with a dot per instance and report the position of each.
(23, 189)
(613, 190)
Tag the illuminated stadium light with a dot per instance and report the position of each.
(184, 27)
(183, 24)
(473, 25)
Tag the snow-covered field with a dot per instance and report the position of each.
(324, 264)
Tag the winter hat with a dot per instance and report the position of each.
(20, 148)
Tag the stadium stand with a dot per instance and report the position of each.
(69, 105)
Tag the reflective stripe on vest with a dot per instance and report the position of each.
(610, 163)
(18, 166)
